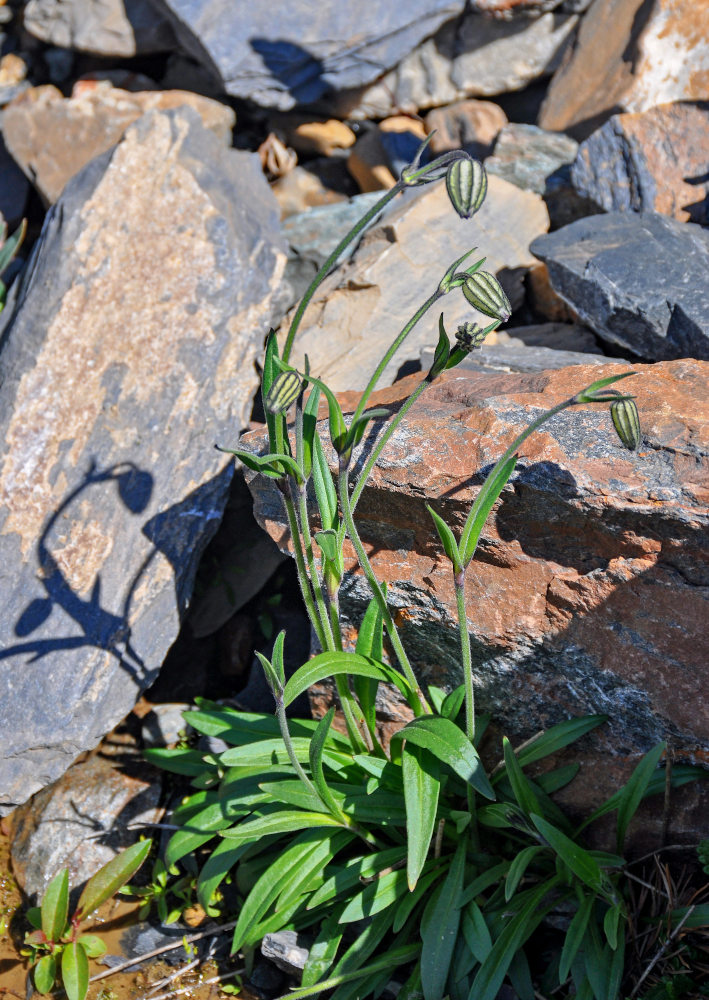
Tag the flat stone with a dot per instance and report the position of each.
(52, 137)
(649, 161)
(364, 304)
(512, 354)
(286, 950)
(470, 125)
(306, 51)
(636, 280)
(80, 822)
(528, 156)
(109, 28)
(126, 354)
(629, 55)
(300, 189)
(472, 56)
(589, 589)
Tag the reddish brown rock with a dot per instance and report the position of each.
(52, 137)
(649, 161)
(630, 55)
(589, 589)
(470, 125)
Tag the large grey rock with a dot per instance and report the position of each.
(639, 281)
(301, 51)
(106, 27)
(129, 351)
(475, 56)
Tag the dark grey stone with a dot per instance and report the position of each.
(639, 281)
(519, 357)
(286, 950)
(299, 52)
(128, 351)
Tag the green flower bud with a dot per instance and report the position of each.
(626, 421)
(284, 390)
(468, 336)
(466, 181)
(484, 292)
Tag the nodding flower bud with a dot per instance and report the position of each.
(626, 421)
(485, 293)
(468, 336)
(466, 181)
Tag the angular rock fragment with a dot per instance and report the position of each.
(105, 27)
(636, 280)
(470, 125)
(306, 51)
(361, 307)
(52, 137)
(649, 161)
(630, 55)
(129, 351)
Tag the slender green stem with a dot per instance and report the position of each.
(393, 348)
(323, 615)
(420, 702)
(465, 655)
(332, 260)
(303, 579)
(382, 441)
(286, 737)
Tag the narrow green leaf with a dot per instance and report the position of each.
(393, 959)
(588, 395)
(323, 951)
(75, 970)
(55, 906)
(440, 356)
(484, 881)
(325, 492)
(377, 896)
(270, 370)
(216, 868)
(448, 540)
(451, 746)
(558, 737)
(327, 540)
(521, 788)
(187, 762)
(336, 421)
(633, 791)
(616, 966)
(520, 977)
(452, 703)
(484, 502)
(11, 245)
(317, 747)
(552, 781)
(517, 869)
(356, 431)
(367, 942)
(368, 866)
(493, 970)
(698, 916)
(408, 904)
(421, 780)
(286, 821)
(611, 921)
(265, 753)
(439, 929)
(44, 973)
(574, 936)
(239, 728)
(109, 879)
(197, 830)
(476, 932)
(436, 696)
(370, 643)
(292, 792)
(578, 860)
(331, 663)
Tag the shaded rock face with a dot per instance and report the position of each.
(635, 280)
(106, 27)
(306, 51)
(361, 307)
(588, 592)
(52, 138)
(472, 56)
(630, 55)
(650, 161)
(127, 352)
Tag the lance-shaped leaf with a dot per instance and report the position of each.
(575, 935)
(109, 879)
(44, 973)
(325, 491)
(285, 821)
(323, 950)
(55, 906)
(521, 787)
(439, 927)
(309, 430)
(450, 546)
(274, 466)
(451, 746)
(574, 857)
(593, 393)
(75, 971)
(370, 643)
(633, 791)
(315, 756)
(357, 429)
(422, 784)
(484, 502)
(330, 663)
(336, 421)
(442, 352)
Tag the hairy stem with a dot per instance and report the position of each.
(303, 579)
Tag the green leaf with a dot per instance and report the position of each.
(407, 905)
(274, 465)
(452, 703)
(517, 869)
(266, 753)
(440, 356)
(327, 540)
(239, 728)
(436, 696)
(325, 492)
(75, 970)
(92, 944)
(484, 502)
(439, 927)
(634, 790)
(484, 881)
(197, 830)
(270, 370)
(575, 857)
(494, 969)
(317, 747)
(292, 792)
(216, 868)
(698, 916)
(356, 431)
(109, 879)
(574, 936)
(392, 959)
(591, 393)
(34, 917)
(187, 762)
(558, 737)
(332, 663)
(286, 821)
(377, 896)
(363, 946)
(421, 780)
(521, 787)
(55, 906)
(611, 921)
(323, 950)
(310, 430)
(476, 932)
(351, 875)
(450, 545)
(44, 973)
(552, 781)
(336, 422)
(370, 643)
(451, 746)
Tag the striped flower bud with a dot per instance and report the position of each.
(626, 421)
(468, 336)
(466, 181)
(484, 292)
(284, 391)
